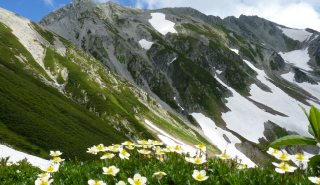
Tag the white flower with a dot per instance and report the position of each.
(56, 160)
(300, 157)
(18, 171)
(101, 148)
(9, 164)
(55, 153)
(242, 166)
(160, 158)
(113, 148)
(143, 142)
(224, 155)
(131, 147)
(144, 151)
(44, 175)
(93, 150)
(124, 154)
(158, 143)
(121, 183)
(159, 175)
(107, 156)
(51, 168)
(137, 180)
(283, 156)
(315, 180)
(96, 182)
(43, 181)
(178, 149)
(201, 147)
(197, 160)
(127, 143)
(111, 170)
(284, 167)
(273, 151)
(200, 176)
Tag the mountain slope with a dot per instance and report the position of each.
(234, 71)
(55, 96)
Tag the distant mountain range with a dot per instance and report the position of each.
(91, 73)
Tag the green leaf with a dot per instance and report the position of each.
(304, 110)
(315, 162)
(292, 140)
(314, 119)
(310, 129)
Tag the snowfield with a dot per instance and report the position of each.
(311, 88)
(216, 135)
(299, 58)
(16, 156)
(248, 120)
(235, 50)
(296, 34)
(145, 44)
(162, 25)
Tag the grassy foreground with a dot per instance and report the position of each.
(174, 164)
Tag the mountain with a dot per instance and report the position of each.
(234, 83)
(54, 96)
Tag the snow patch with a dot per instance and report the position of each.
(162, 25)
(235, 50)
(311, 88)
(218, 71)
(216, 135)
(296, 34)
(175, 58)
(16, 156)
(299, 58)
(145, 44)
(178, 103)
(171, 141)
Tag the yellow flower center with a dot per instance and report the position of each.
(101, 147)
(44, 182)
(43, 175)
(137, 181)
(224, 155)
(159, 175)
(124, 152)
(96, 182)
(50, 168)
(197, 160)
(275, 151)
(177, 147)
(201, 145)
(110, 170)
(284, 166)
(284, 156)
(56, 159)
(199, 176)
(318, 181)
(300, 157)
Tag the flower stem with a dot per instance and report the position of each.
(283, 179)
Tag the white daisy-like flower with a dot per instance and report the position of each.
(178, 149)
(200, 176)
(283, 156)
(137, 180)
(198, 160)
(159, 175)
(102, 148)
(111, 170)
(121, 183)
(284, 167)
(273, 151)
(201, 147)
(56, 160)
(300, 157)
(51, 168)
(55, 153)
(224, 155)
(93, 150)
(144, 151)
(127, 143)
(43, 181)
(315, 180)
(131, 147)
(44, 175)
(96, 182)
(107, 156)
(123, 154)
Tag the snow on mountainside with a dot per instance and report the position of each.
(296, 34)
(299, 58)
(145, 44)
(162, 25)
(16, 156)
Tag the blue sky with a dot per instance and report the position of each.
(292, 13)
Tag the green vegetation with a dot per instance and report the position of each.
(44, 33)
(248, 53)
(178, 171)
(291, 44)
(48, 61)
(318, 59)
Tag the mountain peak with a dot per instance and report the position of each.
(79, 1)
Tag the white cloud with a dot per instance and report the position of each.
(292, 13)
(49, 3)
